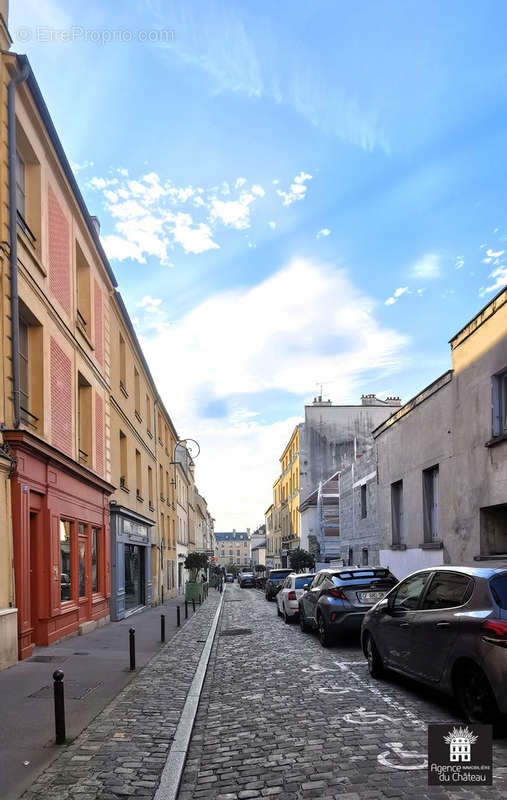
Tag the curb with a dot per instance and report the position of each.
(173, 770)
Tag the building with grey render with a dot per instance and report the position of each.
(442, 457)
(338, 479)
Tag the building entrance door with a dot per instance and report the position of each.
(83, 573)
(134, 576)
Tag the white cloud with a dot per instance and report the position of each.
(150, 304)
(500, 280)
(116, 247)
(233, 213)
(492, 254)
(323, 232)
(460, 262)
(289, 352)
(396, 294)
(427, 268)
(258, 190)
(193, 238)
(297, 189)
(272, 224)
(239, 183)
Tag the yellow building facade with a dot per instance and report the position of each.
(289, 487)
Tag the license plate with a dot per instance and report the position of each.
(369, 597)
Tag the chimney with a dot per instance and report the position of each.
(96, 224)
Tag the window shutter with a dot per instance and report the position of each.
(496, 406)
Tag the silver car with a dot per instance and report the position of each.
(446, 627)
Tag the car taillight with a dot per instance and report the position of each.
(339, 593)
(292, 596)
(496, 632)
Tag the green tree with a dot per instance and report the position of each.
(232, 569)
(195, 562)
(299, 560)
(260, 568)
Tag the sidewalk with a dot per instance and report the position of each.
(96, 668)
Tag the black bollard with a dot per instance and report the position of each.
(200, 600)
(193, 605)
(132, 648)
(59, 706)
(186, 610)
(162, 627)
(221, 587)
(178, 621)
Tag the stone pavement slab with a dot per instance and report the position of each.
(123, 750)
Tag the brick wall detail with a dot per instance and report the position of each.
(59, 253)
(61, 399)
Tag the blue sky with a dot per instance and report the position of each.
(289, 194)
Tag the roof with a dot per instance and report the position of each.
(231, 536)
(415, 401)
(486, 311)
(259, 546)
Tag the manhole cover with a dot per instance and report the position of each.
(48, 659)
(73, 690)
(81, 654)
(235, 631)
(235, 599)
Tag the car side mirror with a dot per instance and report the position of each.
(389, 605)
(306, 587)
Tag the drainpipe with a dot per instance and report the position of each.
(13, 237)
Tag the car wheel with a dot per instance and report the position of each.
(375, 665)
(303, 624)
(278, 611)
(286, 619)
(474, 696)
(323, 632)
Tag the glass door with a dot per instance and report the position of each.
(83, 572)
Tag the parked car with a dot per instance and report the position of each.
(246, 579)
(446, 627)
(288, 596)
(274, 582)
(229, 577)
(337, 599)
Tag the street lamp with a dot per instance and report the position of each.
(193, 450)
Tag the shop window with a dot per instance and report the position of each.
(65, 561)
(95, 559)
(84, 419)
(123, 366)
(30, 368)
(28, 191)
(123, 462)
(81, 571)
(84, 311)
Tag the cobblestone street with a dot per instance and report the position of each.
(282, 717)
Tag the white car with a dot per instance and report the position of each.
(287, 599)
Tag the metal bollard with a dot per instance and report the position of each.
(162, 627)
(200, 600)
(59, 706)
(193, 605)
(178, 620)
(132, 648)
(186, 610)
(221, 587)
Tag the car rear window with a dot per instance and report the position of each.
(278, 576)
(499, 589)
(362, 574)
(301, 582)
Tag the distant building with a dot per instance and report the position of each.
(258, 554)
(233, 547)
(442, 457)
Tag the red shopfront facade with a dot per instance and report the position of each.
(60, 521)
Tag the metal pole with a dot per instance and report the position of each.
(132, 648)
(186, 609)
(178, 619)
(59, 706)
(162, 627)
(193, 605)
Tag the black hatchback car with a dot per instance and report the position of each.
(275, 582)
(447, 628)
(337, 599)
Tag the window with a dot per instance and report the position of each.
(123, 461)
(364, 509)
(123, 365)
(430, 503)
(447, 590)
(94, 554)
(83, 292)
(499, 403)
(24, 371)
(398, 534)
(407, 596)
(31, 367)
(65, 561)
(351, 557)
(20, 186)
(84, 419)
(161, 481)
(150, 486)
(148, 415)
(137, 395)
(139, 476)
(364, 560)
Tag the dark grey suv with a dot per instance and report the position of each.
(446, 627)
(337, 599)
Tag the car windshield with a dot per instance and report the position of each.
(301, 582)
(499, 589)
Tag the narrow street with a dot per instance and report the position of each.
(281, 716)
